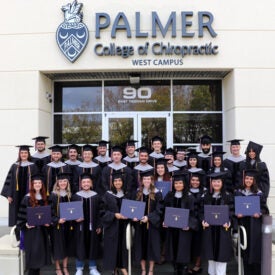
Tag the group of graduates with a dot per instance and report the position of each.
(195, 176)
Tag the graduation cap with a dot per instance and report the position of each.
(197, 172)
(142, 149)
(257, 148)
(192, 152)
(86, 176)
(117, 148)
(147, 173)
(130, 142)
(180, 149)
(205, 139)
(40, 138)
(217, 154)
(179, 175)
(56, 148)
(64, 175)
(24, 147)
(235, 141)
(88, 147)
(251, 173)
(73, 146)
(37, 176)
(169, 151)
(218, 175)
(156, 138)
(103, 143)
(117, 175)
(161, 161)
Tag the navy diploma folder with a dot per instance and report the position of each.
(164, 187)
(247, 205)
(216, 214)
(71, 210)
(39, 215)
(132, 209)
(176, 217)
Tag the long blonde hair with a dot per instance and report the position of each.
(151, 190)
(56, 188)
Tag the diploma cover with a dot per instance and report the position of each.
(132, 209)
(247, 205)
(216, 214)
(176, 217)
(71, 210)
(39, 215)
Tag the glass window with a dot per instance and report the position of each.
(78, 99)
(147, 96)
(197, 96)
(77, 128)
(188, 128)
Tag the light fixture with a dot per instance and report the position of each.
(134, 78)
(49, 97)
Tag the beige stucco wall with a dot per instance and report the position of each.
(246, 38)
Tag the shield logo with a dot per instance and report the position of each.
(72, 35)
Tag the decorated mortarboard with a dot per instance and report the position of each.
(235, 141)
(130, 142)
(73, 146)
(251, 173)
(179, 175)
(103, 143)
(40, 138)
(257, 148)
(147, 173)
(205, 139)
(156, 138)
(24, 147)
(37, 177)
(56, 148)
(169, 151)
(86, 176)
(217, 154)
(218, 175)
(64, 175)
(87, 147)
(142, 149)
(117, 148)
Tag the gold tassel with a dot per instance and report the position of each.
(17, 186)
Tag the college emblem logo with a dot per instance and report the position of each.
(72, 35)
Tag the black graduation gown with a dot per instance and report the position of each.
(127, 178)
(216, 240)
(95, 171)
(147, 235)
(41, 162)
(16, 186)
(262, 178)
(131, 162)
(229, 186)
(73, 168)
(177, 238)
(61, 234)
(50, 174)
(102, 161)
(87, 241)
(253, 228)
(204, 162)
(115, 251)
(36, 240)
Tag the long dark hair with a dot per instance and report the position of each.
(166, 176)
(254, 187)
(19, 158)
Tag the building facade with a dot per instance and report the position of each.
(82, 71)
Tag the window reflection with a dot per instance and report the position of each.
(189, 127)
(77, 128)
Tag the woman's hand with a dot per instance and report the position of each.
(205, 224)
(120, 216)
(61, 221)
(10, 199)
(144, 219)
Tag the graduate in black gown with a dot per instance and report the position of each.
(253, 225)
(204, 158)
(61, 230)
(88, 166)
(232, 162)
(147, 230)
(115, 255)
(156, 143)
(179, 238)
(216, 239)
(180, 161)
(197, 190)
(52, 169)
(41, 157)
(102, 158)
(131, 159)
(88, 230)
(17, 182)
(253, 161)
(36, 238)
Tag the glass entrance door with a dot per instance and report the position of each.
(141, 127)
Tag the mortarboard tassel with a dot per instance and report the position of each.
(17, 186)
